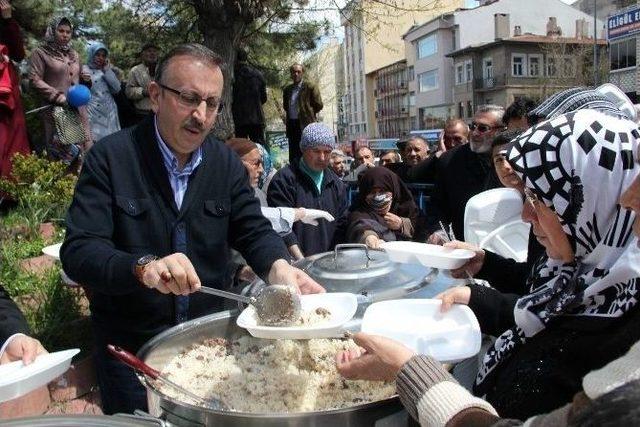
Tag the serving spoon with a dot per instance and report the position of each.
(138, 365)
(275, 305)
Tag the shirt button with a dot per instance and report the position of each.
(219, 210)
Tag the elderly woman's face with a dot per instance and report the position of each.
(63, 34)
(380, 200)
(546, 227)
(630, 199)
(505, 172)
(253, 163)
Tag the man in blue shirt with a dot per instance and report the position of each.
(155, 211)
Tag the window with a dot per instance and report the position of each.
(428, 81)
(460, 110)
(412, 99)
(487, 68)
(623, 54)
(427, 46)
(469, 108)
(568, 70)
(518, 65)
(535, 65)
(468, 70)
(552, 69)
(410, 74)
(459, 74)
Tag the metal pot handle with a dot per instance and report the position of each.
(352, 246)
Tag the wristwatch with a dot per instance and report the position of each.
(141, 264)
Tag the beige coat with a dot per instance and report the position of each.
(139, 79)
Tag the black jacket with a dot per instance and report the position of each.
(11, 319)
(461, 174)
(291, 187)
(249, 93)
(123, 208)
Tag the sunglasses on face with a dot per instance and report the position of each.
(482, 128)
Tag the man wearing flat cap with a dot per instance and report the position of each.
(311, 184)
(137, 89)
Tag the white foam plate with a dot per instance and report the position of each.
(16, 379)
(434, 256)
(418, 323)
(341, 305)
(52, 250)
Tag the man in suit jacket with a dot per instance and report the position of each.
(301, 101)
(154, 213)
(15, 344)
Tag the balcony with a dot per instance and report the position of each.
(490, 82)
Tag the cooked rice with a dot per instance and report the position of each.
(271, 376)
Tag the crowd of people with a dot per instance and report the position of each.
(162, 207)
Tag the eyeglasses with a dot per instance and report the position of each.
(483, 128)
(531, 197)
(193, 100)
(255, 163)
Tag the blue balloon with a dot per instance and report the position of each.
(78, 95)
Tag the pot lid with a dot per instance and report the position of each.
(367, 272)
(348, 262)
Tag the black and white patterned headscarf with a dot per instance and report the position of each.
(578, 164)
(574, 99)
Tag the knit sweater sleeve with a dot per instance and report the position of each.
(433, 397)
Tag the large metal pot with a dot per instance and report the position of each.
(158, 351)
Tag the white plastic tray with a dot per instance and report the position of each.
(53, 250)
(16, 379)
(418, 323)
(341, 305)
(434, 256)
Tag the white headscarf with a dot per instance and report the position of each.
(578, 164)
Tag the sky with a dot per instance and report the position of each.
(327, 9)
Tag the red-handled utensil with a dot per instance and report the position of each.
(132, 361)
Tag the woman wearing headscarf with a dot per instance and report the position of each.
(581, 311)
(54, 67)
(384, 211)
(102, 108)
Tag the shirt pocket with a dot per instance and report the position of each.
(210, 231)
(132, 224)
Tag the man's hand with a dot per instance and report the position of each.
(173, 274)
(22, 348)
(455, 295)
(5, 9)
(393, 221)
(472, 266)
(282, 273)
(378, 359)
(373, 241)
(438, 238)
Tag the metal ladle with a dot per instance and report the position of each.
(275, 305)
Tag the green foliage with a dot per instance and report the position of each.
(42, 188)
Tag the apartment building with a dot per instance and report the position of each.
(622, 34)
(321, 69)
(524, 65)
(373, 40)
(428, 45)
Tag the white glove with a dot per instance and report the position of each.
(311, 216)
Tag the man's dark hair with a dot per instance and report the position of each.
(360, 148)
(149, 46)
(193, 50)
(518, 109)
(396, 155)
(242, 55)
(505, 137)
